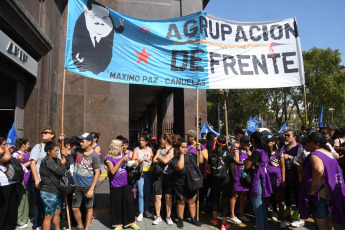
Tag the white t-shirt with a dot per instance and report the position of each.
(3, 178)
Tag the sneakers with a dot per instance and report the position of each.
(287, 212)
(39, 228)
(295, 215)
(235, 220)
(134, 226)
(157, 220)
(214, 222)
(282, 224)
(274, 216)
(195, 222)
(180, 223)
(140, 217)
(298, 223)
(225, 227)
(148, 214)
(20, 226)
(169, 221)
(118, 228)
(245, 219)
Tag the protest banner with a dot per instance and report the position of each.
(193, 51)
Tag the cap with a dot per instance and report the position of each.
(86, 136)
(154, 138)
(270, 137)
(191, 133)
(244, 139)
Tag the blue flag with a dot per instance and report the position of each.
(193, 51)
(282, 129)
(12, 136)
(320, 118)
(205, 129)
(251, 126)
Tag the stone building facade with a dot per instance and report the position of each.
(32, 68)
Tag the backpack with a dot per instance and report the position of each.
(193, 173)
(14, 170)
(67, 183)
(218, 168)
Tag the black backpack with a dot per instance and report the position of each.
(218, 168)
(67, 183)
(14, 170)
(193, 173)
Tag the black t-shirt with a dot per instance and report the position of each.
(255, 157)
(331, 141)
(179, 176)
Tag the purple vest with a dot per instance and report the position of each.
(291, 176)
(100, 155)
(260, 172)
(120, 177)
(239, 169)
(275, 172)
(26, 174)
(335, 180)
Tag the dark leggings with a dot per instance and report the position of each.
(225, 189)
(8, 207)
(288, 192)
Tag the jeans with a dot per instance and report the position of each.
(259, 209)
(38, 209)
(144, 185)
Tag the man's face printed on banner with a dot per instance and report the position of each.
(98, 22)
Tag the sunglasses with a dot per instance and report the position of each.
(46, 132)
(287, 135)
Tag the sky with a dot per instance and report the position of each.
(320, 24)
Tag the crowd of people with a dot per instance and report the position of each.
(296, 174)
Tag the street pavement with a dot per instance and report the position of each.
(102, 216)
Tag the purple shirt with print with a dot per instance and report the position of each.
(120, 177)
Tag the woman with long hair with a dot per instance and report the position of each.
(163, 184)
(22, 146)
(122, 212)
(183, 194)
(36, 156)
(95, 146)
(143, 155)
(261, 184)
(222, 183)
(51, 171)
(322, 184)
(276, 170)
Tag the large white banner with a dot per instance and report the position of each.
(194, 51)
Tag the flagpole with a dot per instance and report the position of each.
(198, 152)
(305, 106)
(62, 141)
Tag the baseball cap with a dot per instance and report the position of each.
(191, 133)
(86, 136)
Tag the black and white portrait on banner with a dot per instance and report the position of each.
(93, 37)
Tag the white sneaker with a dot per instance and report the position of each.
(140, 217)
(282, 224)
(245, 219)
(298, 223)
(235, 220)
(169, 221)
(157, 220)
(274, 216)
(20, 226)
(39, 228)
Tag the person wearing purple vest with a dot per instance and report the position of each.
(322, 185)
(261, 184)
(293, 179)
(276, 170)
(240, 154)
(22, 145)
(121, 199)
